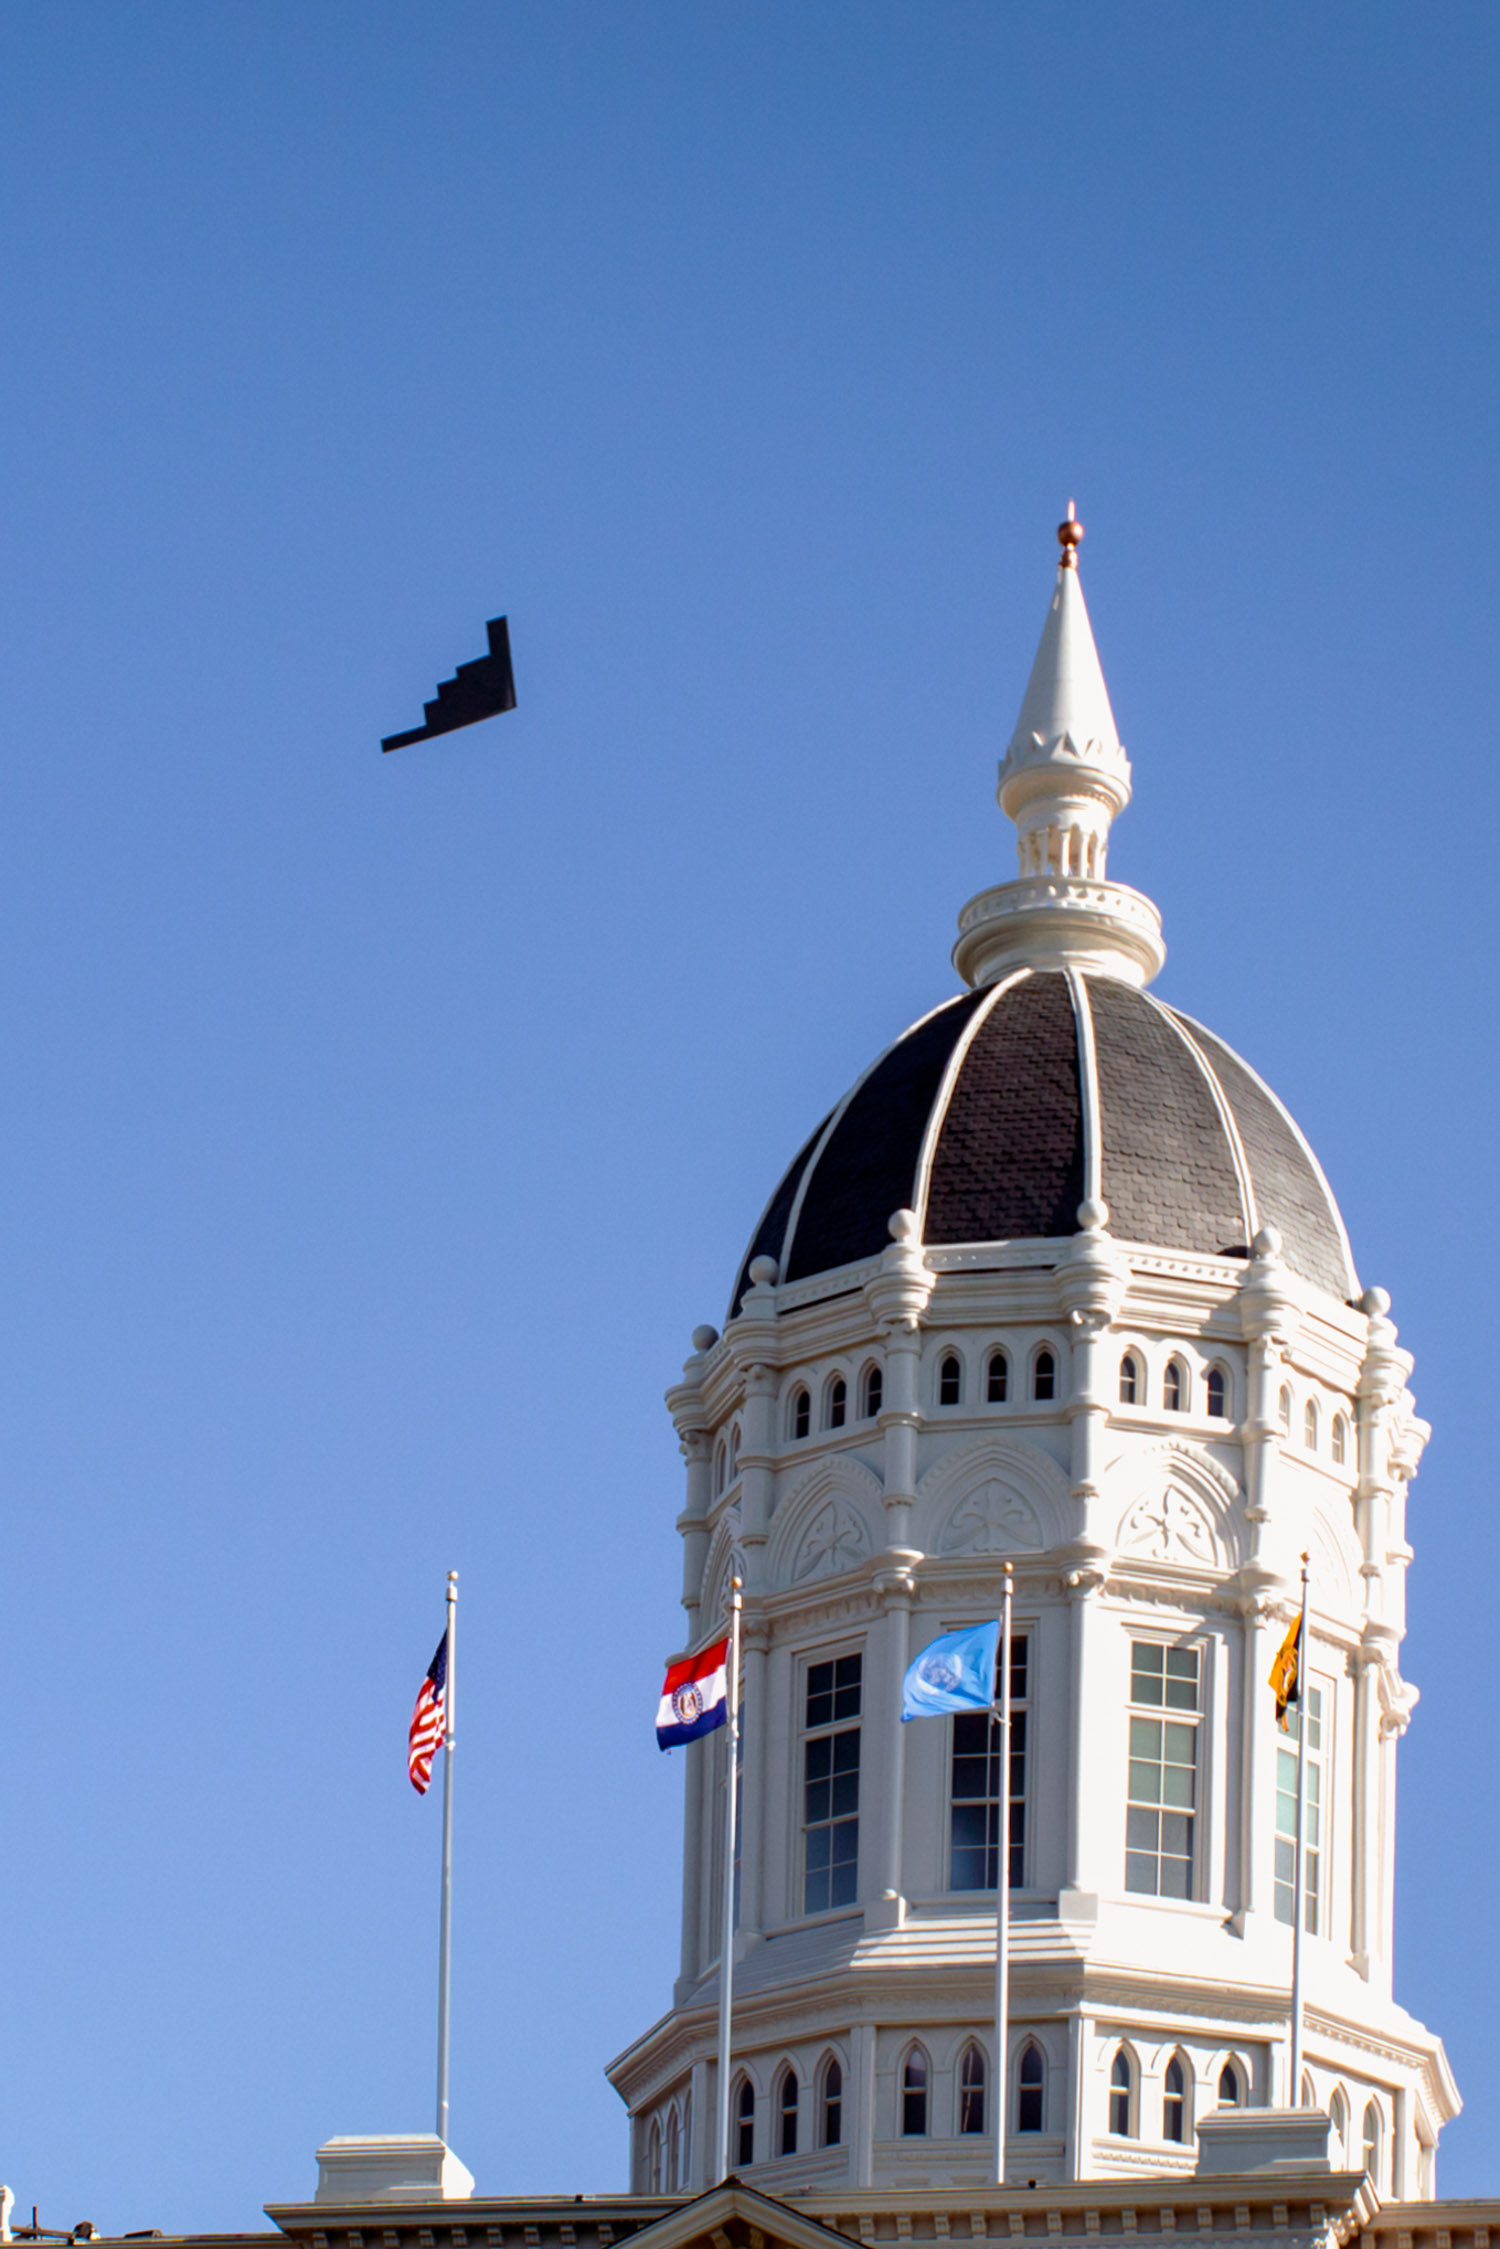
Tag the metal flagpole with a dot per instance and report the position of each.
(445, 1921)
(1002, 1888)
(1294, 2094)
(726, 1942)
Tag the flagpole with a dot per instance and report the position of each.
(445, 1919)
(1294, 2096)
(1002, 1888)
(726, 1941)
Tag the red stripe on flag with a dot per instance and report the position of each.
(425, 1735)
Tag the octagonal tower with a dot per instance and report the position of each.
(1058, 1283)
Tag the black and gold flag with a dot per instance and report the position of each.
(1286, 1673)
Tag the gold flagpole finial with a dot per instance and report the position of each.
(1070, 538)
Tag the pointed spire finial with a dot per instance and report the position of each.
(1063, 780)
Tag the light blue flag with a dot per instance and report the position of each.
(955, 1672)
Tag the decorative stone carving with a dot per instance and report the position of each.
(835, 1540)
(991, 1518)
(825, 1524)
(1179, 1507)
(1169, 1526)
(1000, 1495)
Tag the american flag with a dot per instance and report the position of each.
(426, 1734)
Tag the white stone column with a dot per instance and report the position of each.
(1088, 1779)
(886, 1908)
(757, 1465)
(896, 1298)
(1269, 1319)
(696, 1753)
(1075, 2118)
(1091, 1284)
(1257, 1786)
(862, 2105)
(1392, 1727)
(1365, 1867)
(755, 1637)
(700, 2142)
(692, 1523)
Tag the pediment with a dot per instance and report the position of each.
(734, 2216)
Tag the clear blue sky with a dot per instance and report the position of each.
(376, 1130)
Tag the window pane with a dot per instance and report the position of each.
(1177, 1787)
(975, 1791)
(1142, 1828)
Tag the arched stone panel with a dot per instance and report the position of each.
(999, 1495)
(827, 1524)
(1178, 1506)
(723, 1548)
(1335, 1561)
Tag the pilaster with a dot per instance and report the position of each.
(887, 1909)
(896, 1298)
(1091, 1283)
(755, 1637)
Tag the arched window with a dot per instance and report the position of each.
(1044, 1375)
(1174, 2101)
(951, 1380)
(874, 1393)
(914, 2094)
(1229, 2086)
(1284, 1410)
(1371, 2147)
(1310, 1425)
(787, 2105)
(674, 2151)
(744, 2128)
(1031, 2082)
(1217, 1406)
(971, 2089)
(1130, 1380)
(1308, 2100)
(1174, 1389)
(1340, 1440)
(838, 1402)
(997, 1379)
(831, 2104)
(653, 2159)
(721, 1466)
(686, 2158)
(734, 1452)
(801, 1412)
(1121, 2100)
(1338, 2118)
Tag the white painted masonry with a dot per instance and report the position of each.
(1130, 1524)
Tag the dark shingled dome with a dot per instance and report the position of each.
(980, 1118)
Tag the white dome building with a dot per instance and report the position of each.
(1058, 1283)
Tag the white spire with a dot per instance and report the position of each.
(1063, 779)
(1066, 698)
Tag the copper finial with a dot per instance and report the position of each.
(1070, 538)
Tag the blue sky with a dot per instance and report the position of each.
(377, 1130)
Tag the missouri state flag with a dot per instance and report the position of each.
(694, 1696)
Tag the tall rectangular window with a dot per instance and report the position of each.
(830, 1789)
(974, 1816)
(1312, 1817)
(1162, 1796)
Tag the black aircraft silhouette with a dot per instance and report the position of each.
(479, 690)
